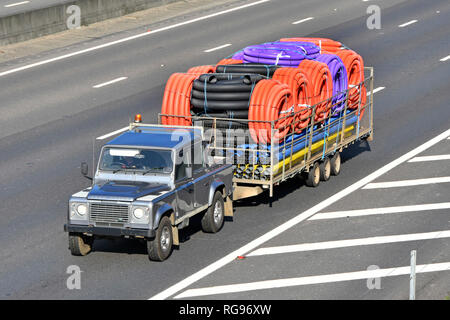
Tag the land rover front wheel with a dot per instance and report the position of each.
(160, 247)
(80, 245)
(214, 217)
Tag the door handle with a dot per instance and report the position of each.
(206, 184)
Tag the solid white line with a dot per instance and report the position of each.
(406, 183)
(376, 90)
(445, 58)
(309, 280)
(431, 158)
(375, 211)
(294, 221)
(109, 82)
(350, 243)
(16, 4)
(112, 133)
(130, 38)
(218, 48)
(407, 23)
(303, 20)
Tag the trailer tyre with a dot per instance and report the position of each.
(80, 245)
(214, 217)
(325, 169)
(335, 162)
(313, 176)
(160, 247)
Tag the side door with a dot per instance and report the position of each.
(202, 179)
(184, 184)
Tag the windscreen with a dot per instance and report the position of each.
(138, 160)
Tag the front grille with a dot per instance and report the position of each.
(109, 213)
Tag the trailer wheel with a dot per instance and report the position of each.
(313, 177)
(335, 164)
(80, 245)
(214, 217)
(160, 247)
(325, 169)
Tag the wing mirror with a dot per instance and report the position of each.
(84, 170)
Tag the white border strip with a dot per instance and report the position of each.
(218, 48)
(431, 158)
(325, 245)
(302, 281)
(112, 133)
(109, 82)
(406, 183)
(376, 90)
(445, 58)
(129, 38)
(294, 221)
(303, 20)
(375, 211)
(16, 4)
(407, 23)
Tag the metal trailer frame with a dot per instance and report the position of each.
(302, 160)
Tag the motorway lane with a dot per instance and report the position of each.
(35, 265)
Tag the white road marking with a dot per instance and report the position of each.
(16, 4)
(109, 82)
(375, 211)
(296, 220)
(376, 90)
(350, 243)
(303, 20)
(218, 48)
(445, 58)
(112, 133)
(431, 158)
(406, 183)
(407, 23)
(309, 280)
(105, 45)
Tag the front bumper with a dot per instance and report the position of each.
(109, 232)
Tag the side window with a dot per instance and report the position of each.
(180, 168)
(197, 153)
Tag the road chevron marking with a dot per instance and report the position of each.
(181, 285)
(309, 280)
(325, 245)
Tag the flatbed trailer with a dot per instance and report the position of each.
(314, 152)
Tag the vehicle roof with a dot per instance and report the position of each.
(160, 137)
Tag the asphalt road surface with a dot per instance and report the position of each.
(50, 113)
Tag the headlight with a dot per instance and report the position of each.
(138, 213)
(81, 209)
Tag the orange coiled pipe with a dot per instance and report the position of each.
(202, 69)
(319, 77)
(177, 99)
(354, 64)
(300, 88)
(228, 61)
(270, 101)
(325, 44)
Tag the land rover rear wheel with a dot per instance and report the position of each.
(214, 217)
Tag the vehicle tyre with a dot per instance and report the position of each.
(160, 247)
(335, 162)
(214, 217)
(325, 169)
(313, 177)
(80, 245)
